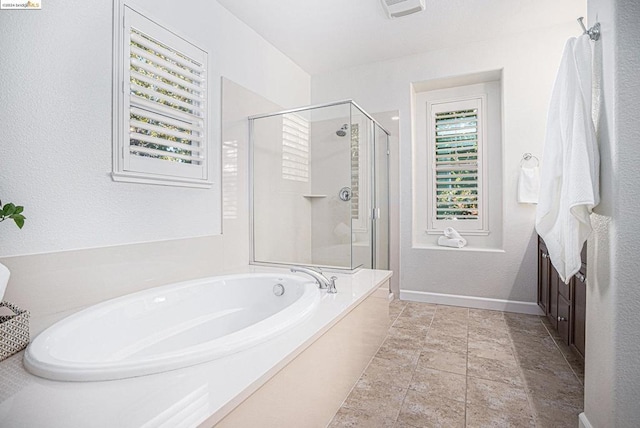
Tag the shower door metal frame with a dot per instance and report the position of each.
(316, 106)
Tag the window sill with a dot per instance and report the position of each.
(463, 249)
(461, 232)
(133, 177)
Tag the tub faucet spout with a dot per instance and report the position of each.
(323, 281)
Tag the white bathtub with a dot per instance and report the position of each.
(190, 396)
(170, 327)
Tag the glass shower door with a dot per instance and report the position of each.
(362, 184)
(330, 184)
(319, 188)
(300, 164)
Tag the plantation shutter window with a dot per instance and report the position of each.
(457, 192)
(164, 107)
(295, 148)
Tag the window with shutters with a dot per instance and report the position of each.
(295, 148)
(456, 143)
(162, 118)
(457, 174)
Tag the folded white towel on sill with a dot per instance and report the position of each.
(451, 238)
(451, 233)
(443, 241)
(528, 185)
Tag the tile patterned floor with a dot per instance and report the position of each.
(445, 366)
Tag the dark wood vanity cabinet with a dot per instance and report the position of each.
(563, 304)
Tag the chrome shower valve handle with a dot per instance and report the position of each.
(345, 194)
(332, 285)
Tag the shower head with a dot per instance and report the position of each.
(342, 131)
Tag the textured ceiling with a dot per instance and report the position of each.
(325, 35)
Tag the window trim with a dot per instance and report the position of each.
(147, 170)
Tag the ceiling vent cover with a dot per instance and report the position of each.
(398, 8)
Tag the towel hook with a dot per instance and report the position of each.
(593, 32)
(527, 157)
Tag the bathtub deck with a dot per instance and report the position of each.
(309, 391)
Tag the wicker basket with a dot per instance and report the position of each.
(14, 331)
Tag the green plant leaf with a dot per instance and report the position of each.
(13, 212)
(19, 221)
(9, 209)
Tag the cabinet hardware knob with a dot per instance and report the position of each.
(562, 319)
(580, 277)
(545, 255)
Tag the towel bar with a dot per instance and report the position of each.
(527, 157)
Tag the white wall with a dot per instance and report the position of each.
(612, 372)
(55, 157)
(529, 62)
(55, 80)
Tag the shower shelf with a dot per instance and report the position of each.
(314, 196)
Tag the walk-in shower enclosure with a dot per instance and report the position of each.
(320, 188)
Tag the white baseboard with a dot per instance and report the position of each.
(583, 422)
(472, 302)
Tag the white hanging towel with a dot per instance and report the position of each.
(569, 183)
(451, 238)
(528, 185)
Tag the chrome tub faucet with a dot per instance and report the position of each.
(323, 281)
